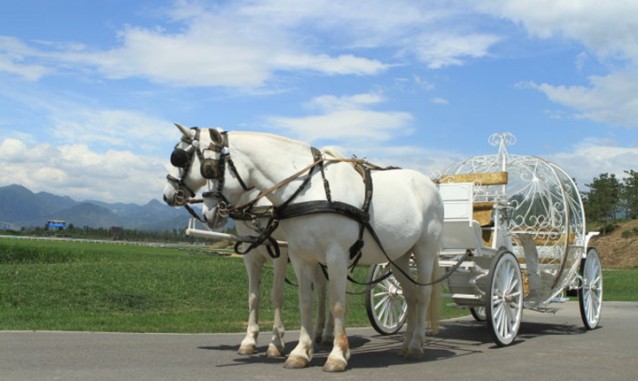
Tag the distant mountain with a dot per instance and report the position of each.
(86, 214)
(20, 206)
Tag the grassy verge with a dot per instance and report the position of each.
(620, 285)
(49, 285)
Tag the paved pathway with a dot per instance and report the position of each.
(549, 347)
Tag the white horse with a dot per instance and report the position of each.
(406, 212)
(254, 261)
(177, 194)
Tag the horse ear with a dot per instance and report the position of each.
(216, 136)
(188, 134)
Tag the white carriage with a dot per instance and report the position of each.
(514, 237)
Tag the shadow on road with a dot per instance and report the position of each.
(456, 338)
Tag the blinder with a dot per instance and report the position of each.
(211, 169)
(182, 157)
(183, 152)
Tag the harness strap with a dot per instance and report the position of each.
(272, 246)
(231, 165)
(252, 214)
(326, 185)
(322, 206)
(273, 222)
(288, 180)
(193, 213)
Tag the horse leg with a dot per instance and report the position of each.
(409, 293)
(324, 329)
(276, 346)
(253, 262)
(301, 356)
(337, 269)
(426, 258)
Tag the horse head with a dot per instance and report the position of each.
(200, 159)
(182, 182)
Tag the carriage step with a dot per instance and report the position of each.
(465, 264)
(542, 309)
(463, 296)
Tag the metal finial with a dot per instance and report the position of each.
(502, 141)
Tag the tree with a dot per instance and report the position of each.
(603, 200)
(630, 193)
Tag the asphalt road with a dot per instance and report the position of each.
(549, 347)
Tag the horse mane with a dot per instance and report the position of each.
(333, 152)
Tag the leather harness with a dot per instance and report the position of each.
(291, 210)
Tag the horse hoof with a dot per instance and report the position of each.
(334, 365)
(295, 362)
(273, 351)
(413, 355)
(247, 350)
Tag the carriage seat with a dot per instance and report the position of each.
(460, 230)
(460, 203)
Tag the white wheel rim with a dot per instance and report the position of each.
(592, 292)
(388, 303)
(506, 299)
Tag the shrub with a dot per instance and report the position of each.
(608, 228)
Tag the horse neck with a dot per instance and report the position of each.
(269, 159)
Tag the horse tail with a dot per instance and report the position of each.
(434, 307)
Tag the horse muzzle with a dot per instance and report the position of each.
(179, 197)
(215, 220)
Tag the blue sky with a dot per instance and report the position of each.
(90, 89)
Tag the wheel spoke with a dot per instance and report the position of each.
(504, 322)
(381, 302)
(381, 308)
(391, 317)
(509, 277)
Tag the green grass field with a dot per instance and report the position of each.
(52, 285)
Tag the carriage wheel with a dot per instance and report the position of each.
(590, 292)
(478, 313)
(504, 307)
(385, 304)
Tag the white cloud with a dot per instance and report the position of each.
(441, 50)
(439, 101)
(13, 149)
(609, 31)
(245, 44)
(346, 118)
(78, 172)
(607, 28)
(341, 65)
(15, 58)
(609, 99)
(591, 157)
(357, 101)
(70, 118)
(110, 127)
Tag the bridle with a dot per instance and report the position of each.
(211, 168)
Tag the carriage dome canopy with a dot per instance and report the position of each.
(543, 203)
